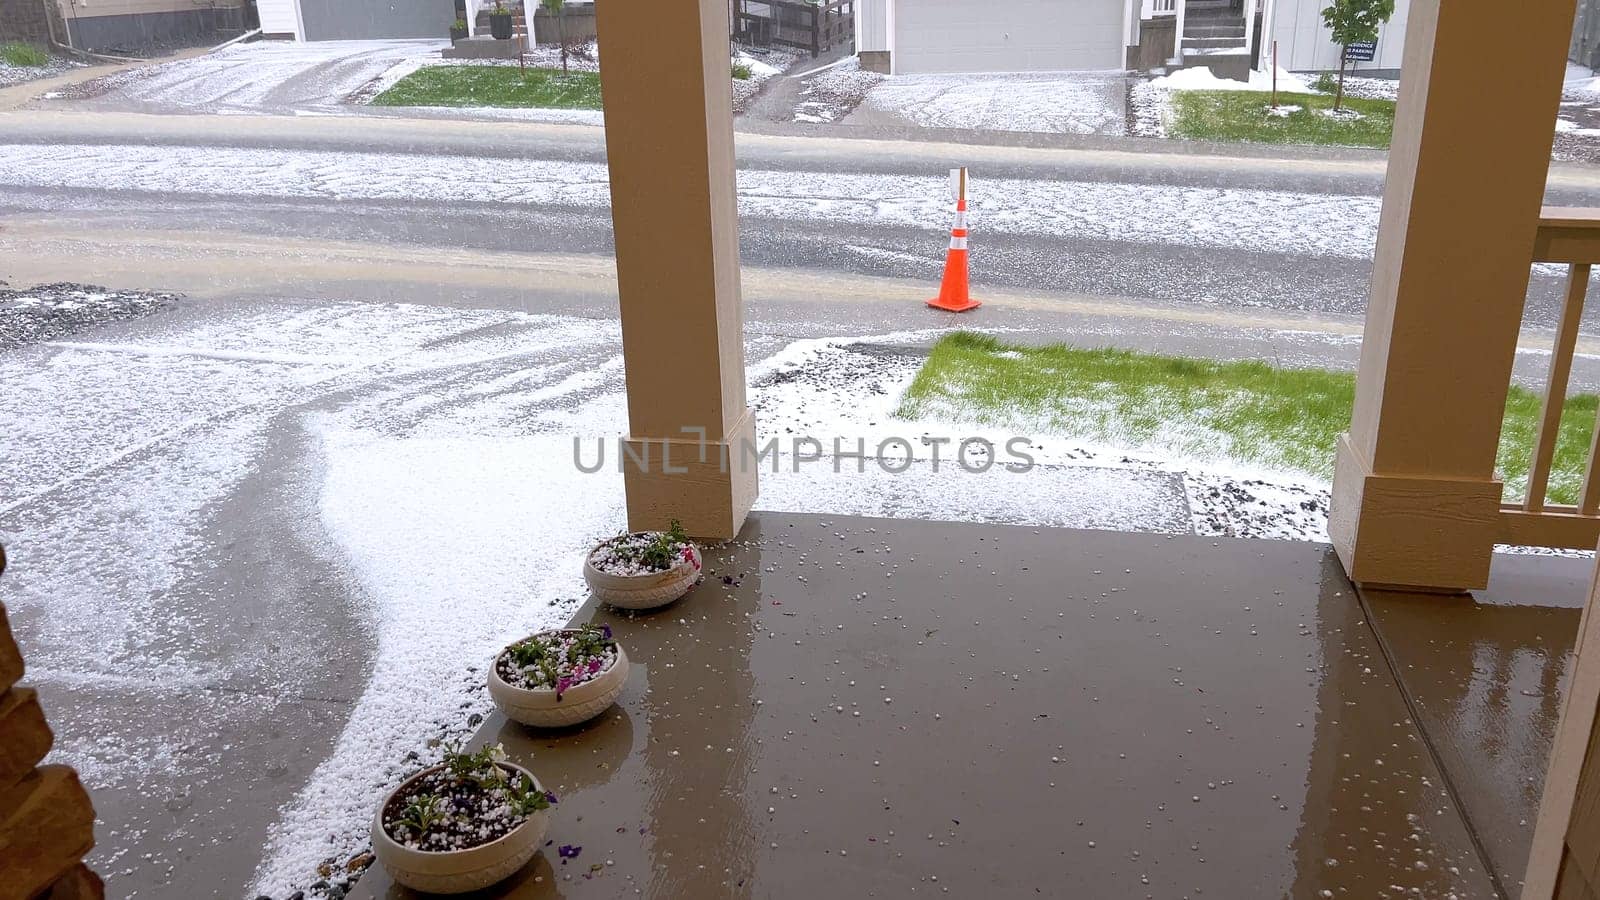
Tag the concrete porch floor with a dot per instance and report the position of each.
(885, 708)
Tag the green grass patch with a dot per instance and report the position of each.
(1242, 116)
(1244, 412)
(18, 54)
(503, 86)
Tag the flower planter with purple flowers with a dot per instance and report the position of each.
(643, 569)
(460, 826)
(559, 678)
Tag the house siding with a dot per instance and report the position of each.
(341, 20)
(1304, 44)
(872, 25)
(135, 24)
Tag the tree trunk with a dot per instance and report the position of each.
(561, 34)
(1338, 95)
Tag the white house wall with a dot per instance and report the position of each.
(1007, 35)
(1304, 44)
(872, 25)
(277, 16)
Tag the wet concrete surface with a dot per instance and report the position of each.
(1486, 675)
(880, 708)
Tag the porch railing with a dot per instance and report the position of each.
(1153, 8)
(1570, 237)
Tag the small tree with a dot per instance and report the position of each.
(558, 9)
(1352, 22)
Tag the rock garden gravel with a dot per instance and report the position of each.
(50, 311)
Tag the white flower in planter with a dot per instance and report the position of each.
(462, 825)
(643, 569)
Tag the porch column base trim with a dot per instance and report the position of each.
(1409, 531)
(708, 486)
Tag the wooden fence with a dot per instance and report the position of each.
(815, 27)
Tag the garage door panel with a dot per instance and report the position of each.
(340, 20)
(1007, 35)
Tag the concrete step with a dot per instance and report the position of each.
(1239, 32)
(1234, 66)
(1213, 43)
(1227, 18)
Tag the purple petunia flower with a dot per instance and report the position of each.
(568, 851)
(605, 630)
(550, 796)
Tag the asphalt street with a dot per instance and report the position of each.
(1076, 254)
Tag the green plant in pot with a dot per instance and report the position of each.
(458, 30)
(500, 22)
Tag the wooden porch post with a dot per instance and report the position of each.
(669, 144)
(46, 819)
(1415, 494)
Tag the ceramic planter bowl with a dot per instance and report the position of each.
(458, 871)
(540, 708)
(643, 591)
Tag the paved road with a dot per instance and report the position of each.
(1254, 246)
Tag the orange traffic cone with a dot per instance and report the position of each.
(953, 289)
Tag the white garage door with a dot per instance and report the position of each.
(1007, 35)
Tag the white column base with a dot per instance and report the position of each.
(708, 487)
(1411, 532)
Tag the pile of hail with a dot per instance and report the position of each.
(470, 799)
(643, 552)
(558, 660)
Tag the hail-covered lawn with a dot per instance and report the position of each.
(502, 86)
(20, 54)
(1236, 413)
(1300, 119)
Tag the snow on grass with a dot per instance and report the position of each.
(835, 92)
(1239, 418)
(842, 394)
(762, 65)
(1152, 100)
(499, 87)
(1199, 78)
(1055, 103)
(1287, 222)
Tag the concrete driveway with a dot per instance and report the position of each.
(1050, 102)
(266, 77)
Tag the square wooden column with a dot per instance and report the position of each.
(667, 84)
(1416, 496)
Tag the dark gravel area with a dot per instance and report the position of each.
(51, 311)
(10, 74)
